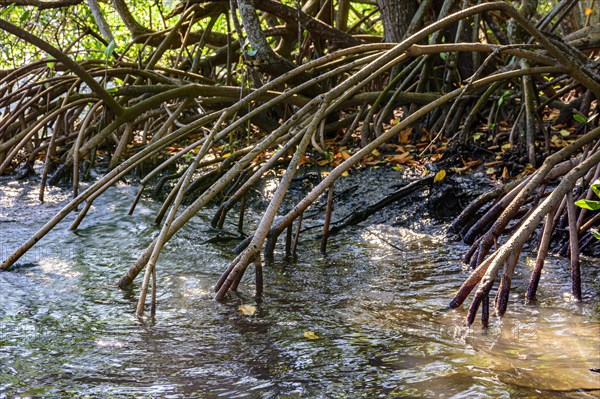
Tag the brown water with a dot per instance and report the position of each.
(380, 314)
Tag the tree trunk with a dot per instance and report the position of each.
(396, 16)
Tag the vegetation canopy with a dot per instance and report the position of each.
(201, 99)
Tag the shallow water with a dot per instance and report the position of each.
(380, 314)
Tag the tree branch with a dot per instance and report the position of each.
(41, 4)
(69, 63)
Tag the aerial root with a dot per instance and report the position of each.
(559, 201)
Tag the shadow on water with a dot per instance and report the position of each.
(380, 315)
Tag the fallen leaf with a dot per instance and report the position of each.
(557, 141)
(247, 310)
(439, 176)
(372, 163)
(398, 158)
(375, 152)
(405, 135)
(467, 166)
(345, 155)
(493, 163)
(460, 170)
(345, 173)
(472, 164)
(588, 11)
(310, 335)
(398, 148)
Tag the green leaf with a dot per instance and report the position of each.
(503, 97)
(443, 56)
(108, 51)
(580, 118)
(8, 10)
(595, 233)
(25, 16)
(587, 204)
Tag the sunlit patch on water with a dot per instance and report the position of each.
(58, 267)
(110, 344)
(398, 238)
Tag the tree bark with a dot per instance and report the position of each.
(131, 23)
(269, 61)
(100, 20)
(396, 16)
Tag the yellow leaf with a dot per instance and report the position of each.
(557, 141)
(588, 11)
(439, 176)
(226, 155)
(345, 173)
(375, 152)
(247, 310)
(323, 162)
(310, 335)
(345, 155)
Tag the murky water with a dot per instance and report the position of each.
(380, 315)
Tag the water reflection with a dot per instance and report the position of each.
(377, 302)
